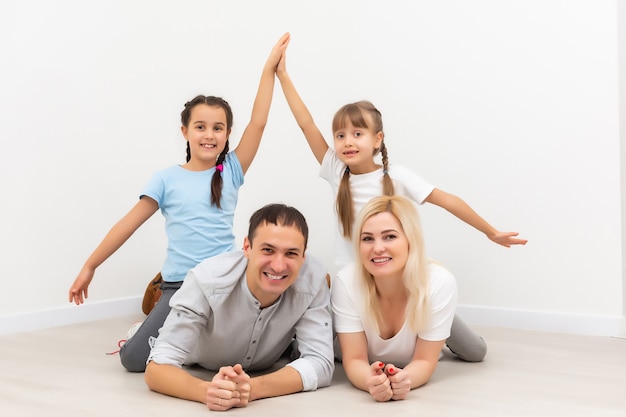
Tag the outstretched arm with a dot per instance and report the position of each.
(251, 138)
(463, 211)
(116, 237)
(314, 137)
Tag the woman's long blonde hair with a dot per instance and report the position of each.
(415, 273)
(354, 112)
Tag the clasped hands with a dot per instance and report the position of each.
(229, 388)
(388, 382)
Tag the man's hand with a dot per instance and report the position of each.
(243, 385)
(229, 388)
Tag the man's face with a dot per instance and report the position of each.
(275, 257)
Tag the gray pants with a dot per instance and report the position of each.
(134, 353)
(465, 343)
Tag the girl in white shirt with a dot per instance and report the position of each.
(356, 177)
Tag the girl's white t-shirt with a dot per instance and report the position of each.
(364, 187)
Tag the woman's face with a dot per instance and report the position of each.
(383, 247)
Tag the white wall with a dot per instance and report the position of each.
(622, 123)
(511, 105)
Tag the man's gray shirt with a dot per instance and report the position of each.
(215, 321)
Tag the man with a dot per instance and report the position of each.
(238, 312)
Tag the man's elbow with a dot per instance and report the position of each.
(327, 376)
(151, 375)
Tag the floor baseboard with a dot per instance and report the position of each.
(71, 314)
(591, 325)
(581, 324)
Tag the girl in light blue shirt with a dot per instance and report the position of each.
(197, 199)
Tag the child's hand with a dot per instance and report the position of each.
(378, 383)
(282, 65)
(80, 288)
(400, 381)
(506, 239)
(278, 52)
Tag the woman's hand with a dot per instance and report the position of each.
(400, 381)
(378, 384)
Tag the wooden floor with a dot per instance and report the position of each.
(65, 372)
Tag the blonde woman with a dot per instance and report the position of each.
(392, 310)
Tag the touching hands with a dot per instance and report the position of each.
(506, 239)
(400, 382)
(378, 383)
(278, 52)
(388, 382)
(229, 388)
(281, 68)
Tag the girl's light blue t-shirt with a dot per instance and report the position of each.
(196, 229)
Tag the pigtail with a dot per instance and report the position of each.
(217, 181)
(387, 182)
(345, 207)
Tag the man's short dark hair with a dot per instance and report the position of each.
(280, 215)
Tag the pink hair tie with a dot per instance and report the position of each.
(219, 167)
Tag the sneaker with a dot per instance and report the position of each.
(133, 329)
(130, 333)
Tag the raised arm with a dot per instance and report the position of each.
(251, 138)
(303, 117)
(116, 237)
(463, 211)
